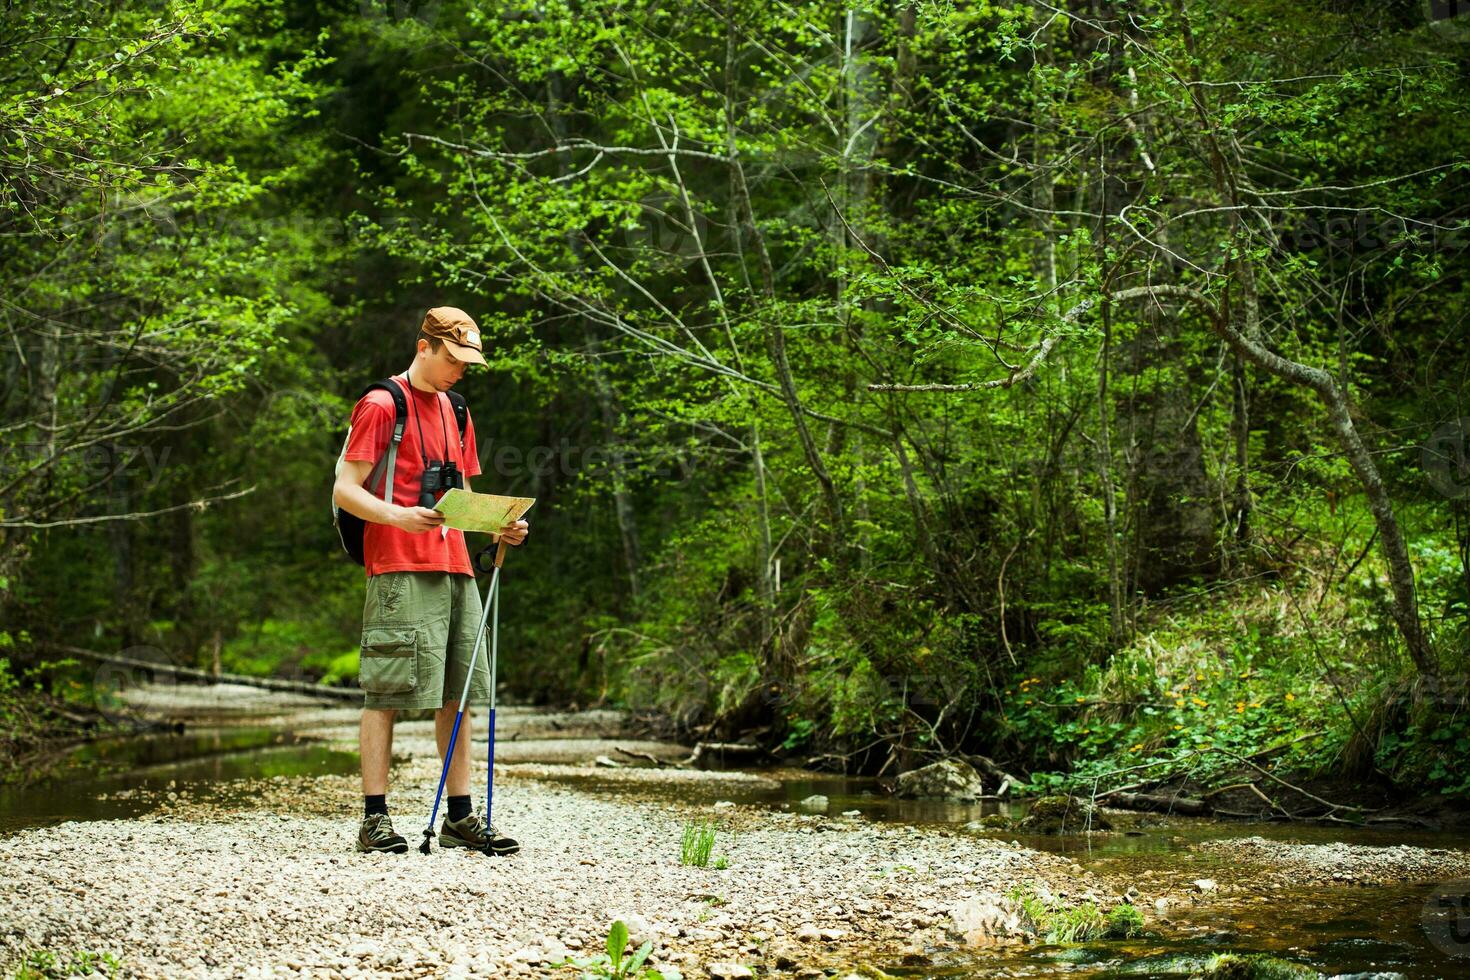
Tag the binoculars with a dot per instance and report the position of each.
(438, 477)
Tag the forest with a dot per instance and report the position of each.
(1078, 385)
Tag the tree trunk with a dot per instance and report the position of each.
(1105, 472)
(775, 336)
(623, 507)
(1405, 604)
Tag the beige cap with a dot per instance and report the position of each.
(458, 331)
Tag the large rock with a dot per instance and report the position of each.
(949, 779)
(982, 922)
(816, 803)
(1062, 815)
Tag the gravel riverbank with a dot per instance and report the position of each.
(259, 878)
(273, 888)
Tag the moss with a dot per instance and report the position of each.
(1061, 814)
(1233, 966)
(1125, 922)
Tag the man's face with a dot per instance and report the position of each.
(439, 369)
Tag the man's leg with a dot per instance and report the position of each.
(375, 746)
(458, 783)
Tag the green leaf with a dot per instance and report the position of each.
(617, 940)
(640, 956)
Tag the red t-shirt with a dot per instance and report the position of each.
(386, 548)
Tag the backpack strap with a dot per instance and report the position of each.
(461, 415)
(389, 463)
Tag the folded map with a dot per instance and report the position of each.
(481, 511)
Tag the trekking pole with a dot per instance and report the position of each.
(464, 694)
(494, 649)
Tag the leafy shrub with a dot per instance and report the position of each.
(1124, 922)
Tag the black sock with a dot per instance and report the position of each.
(374, 804)
(459, 807)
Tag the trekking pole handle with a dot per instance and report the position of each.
(484, 554)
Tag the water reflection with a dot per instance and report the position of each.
(125, 777)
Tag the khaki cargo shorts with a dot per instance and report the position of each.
(418, 629)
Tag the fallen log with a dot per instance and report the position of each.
(657, 762)
(1154, 802)
(193, 675)
(703, 749)
(988, 767)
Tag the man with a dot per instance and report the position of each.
(422, 610)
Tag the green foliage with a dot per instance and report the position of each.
(1177, 702)
(697, 843)
(341, 669)
(275, 646)
(798, 733)
(615, 964)
(1055, 921)
(221, 219)
(1254, 966)
(45, 964)
(1124, 921)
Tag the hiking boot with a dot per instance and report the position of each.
(472, 832)
(376, 834)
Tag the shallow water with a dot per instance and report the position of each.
(128, 776)
(1335, 930)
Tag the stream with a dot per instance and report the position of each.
(1338, 930)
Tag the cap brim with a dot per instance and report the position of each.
(468, 354)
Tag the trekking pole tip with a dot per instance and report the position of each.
(424, 847)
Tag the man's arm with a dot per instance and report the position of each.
(349, 494)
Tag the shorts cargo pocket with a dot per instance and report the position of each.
(389, 659)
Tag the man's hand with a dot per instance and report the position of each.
(515, 533)
(417, 520)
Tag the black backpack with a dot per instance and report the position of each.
(349, 525)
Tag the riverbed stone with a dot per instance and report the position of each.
(1062, 814)
(816, 803)
(983, 922)
(949, 779)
